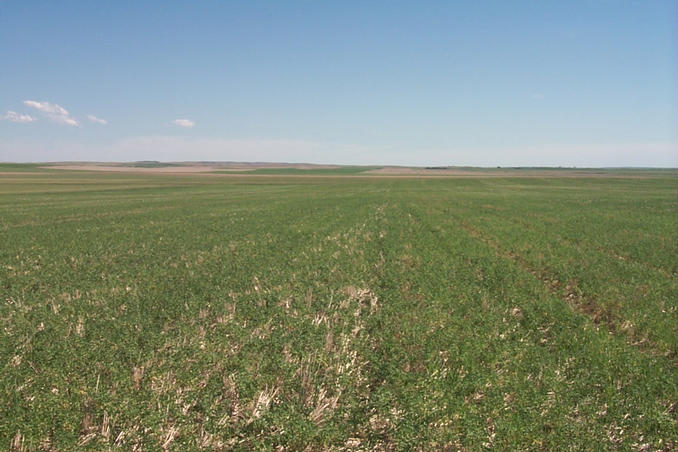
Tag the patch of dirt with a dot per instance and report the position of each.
(133, 169)
(182, 168)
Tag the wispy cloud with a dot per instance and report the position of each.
(17, 117)
(46, 107)
(96, 120)
(183, 123)
(53, 112)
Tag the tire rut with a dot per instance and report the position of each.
(570, 294)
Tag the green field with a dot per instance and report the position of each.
(151, 312)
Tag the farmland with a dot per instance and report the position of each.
(281, 311)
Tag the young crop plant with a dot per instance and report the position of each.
(318, 312)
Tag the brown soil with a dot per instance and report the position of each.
(183, 168)
(132, 169)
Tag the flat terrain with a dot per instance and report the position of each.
(305, 169)
(281, 312)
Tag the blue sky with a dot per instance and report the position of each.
(584, 83)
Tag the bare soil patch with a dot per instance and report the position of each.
(134, 169)
(174, 168)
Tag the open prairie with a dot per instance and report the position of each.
(147, 311)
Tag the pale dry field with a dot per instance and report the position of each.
(174, 168)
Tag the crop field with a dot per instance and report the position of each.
(306, 312)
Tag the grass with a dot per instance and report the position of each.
(151, 312)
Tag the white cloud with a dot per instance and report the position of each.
(17, 117)
(65, 120)
(54, 112)
(46, 107)
(183, 123)
(96, 120)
